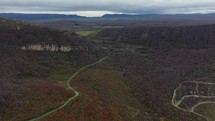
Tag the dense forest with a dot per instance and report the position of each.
(201, 36)
(167, 56)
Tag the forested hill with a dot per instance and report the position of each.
(30, 17)
(162, 16)
(18, 66)
(16, 33)
(161, 37)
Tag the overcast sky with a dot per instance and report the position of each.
(99, 7)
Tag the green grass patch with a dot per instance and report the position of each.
(88, 33)
(61, 73)
(113, 27)
(208, 110)
(61, 78)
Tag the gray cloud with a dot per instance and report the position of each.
(121, 6)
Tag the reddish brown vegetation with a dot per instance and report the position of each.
(82, 109)
(35, 97)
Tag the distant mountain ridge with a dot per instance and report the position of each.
(161, 16)
(31, 17)
(20, 16)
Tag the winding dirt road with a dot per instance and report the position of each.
(177, 103)
(71, 88)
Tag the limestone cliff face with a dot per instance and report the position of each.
(48, 47)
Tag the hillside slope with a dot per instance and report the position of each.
(32, 81)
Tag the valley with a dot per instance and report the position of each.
(114, 72)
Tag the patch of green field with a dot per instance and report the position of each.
(113, 27)
(62, 73)
(87, 33)
(60, 78)
(207, 110)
